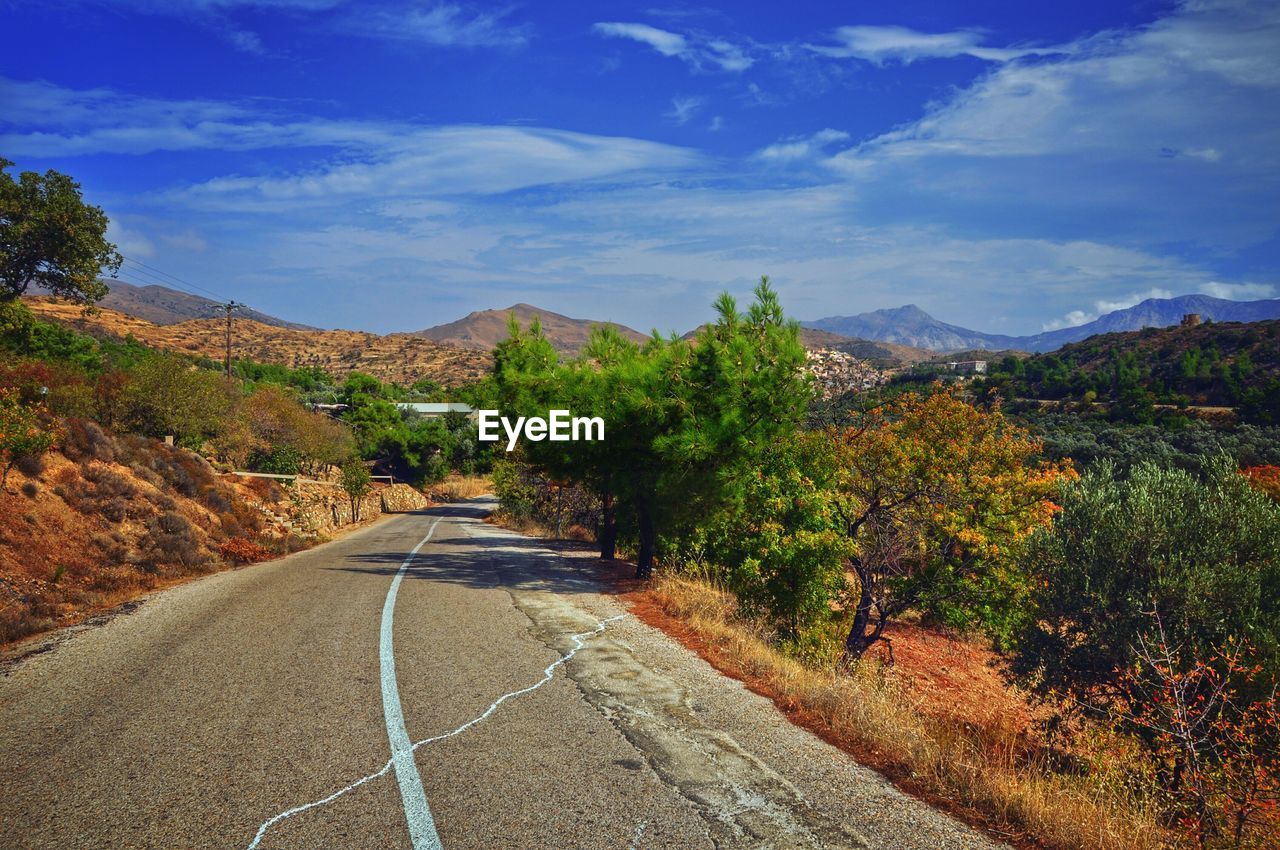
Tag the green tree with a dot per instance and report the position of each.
(1203, 551)
(684, 420)
(782, 547)
(49, 237)
(357, 482)
(166, 395)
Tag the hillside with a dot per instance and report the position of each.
(1229, 364)
(886, 354)
(106, 518)
(484, 329)
(165, 306)
(912, 326)
(402, 358)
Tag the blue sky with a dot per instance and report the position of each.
(391, 165)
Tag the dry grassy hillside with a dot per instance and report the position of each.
(402, 358)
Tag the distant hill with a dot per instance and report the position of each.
(912, 326)
(1221, 364)
(881, 353)
(484, 329)
(165, 306)
(402, 358)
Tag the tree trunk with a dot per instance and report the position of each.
(648, 541)
(860, 639)
(608, 536)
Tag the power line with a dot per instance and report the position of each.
(177, 282)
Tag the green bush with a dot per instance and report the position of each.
(1203, 551)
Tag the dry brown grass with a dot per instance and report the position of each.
(402, 358)
(985, 771)
(456, 488)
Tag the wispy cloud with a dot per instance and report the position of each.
(1238, 291)
(698, 50)
(882, 44)
(441, 25)
(479, 160)
(90, 121)
(797, 148)
(684, 108)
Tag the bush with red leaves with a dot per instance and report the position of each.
(241, 551)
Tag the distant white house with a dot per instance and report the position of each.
(436, 409)
(971, 366)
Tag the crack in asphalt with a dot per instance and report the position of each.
(548, 674)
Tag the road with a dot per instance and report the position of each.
(483, 693)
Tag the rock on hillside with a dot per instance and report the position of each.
(402, 358)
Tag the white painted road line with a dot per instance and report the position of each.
(422, 828)
(547, 674)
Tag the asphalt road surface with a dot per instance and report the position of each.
(482, 693)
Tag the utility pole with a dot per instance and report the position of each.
(229, 307)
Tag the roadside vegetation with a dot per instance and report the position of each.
(1124, 578)
(111, 451)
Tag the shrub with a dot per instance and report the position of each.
(23, 431)
(30, 490)
(238, 550)
(31, 466)
(1211, 727)
(86, 441)
(216, 499)
(1265, 479)
(784, 548)
(171, 540)
(108, 484)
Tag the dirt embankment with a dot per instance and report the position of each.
(107, 518)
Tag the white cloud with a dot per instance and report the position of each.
(666, 43)
(698, 50)
(131, 242)
(684, 108)
(481, 160)
(1238, 291)
(441, 25)
(104, 121)
(1103, 306)
(797, 148)
(881, 44)
(1112, 137)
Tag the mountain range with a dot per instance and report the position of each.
(901, 334)
(912, 326)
